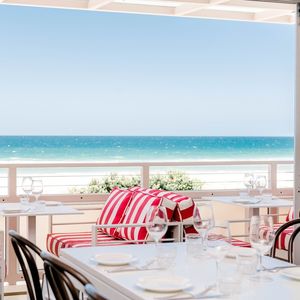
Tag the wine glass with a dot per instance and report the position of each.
(218, 245)
(261, 183)
(203, 219)
(37, 189)
(157, 222)
(27, 186)
(262, 236)
(249, 182)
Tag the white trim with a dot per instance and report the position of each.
(253, 11)
(297, 133)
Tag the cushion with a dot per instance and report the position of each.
(184, 209)
(137, 211)
(57, 241)
(114, 209)
(290, 215)
(284, 237)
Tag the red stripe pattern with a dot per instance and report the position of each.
(137, 212)
(114, 209)
(184, 205)
(284, 237)
(57, 241)
(290, 215)
(239, 243)
(184, 209)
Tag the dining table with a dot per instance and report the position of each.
(188, 273)
(12, 212)
(253, 204)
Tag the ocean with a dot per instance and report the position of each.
(143, 148)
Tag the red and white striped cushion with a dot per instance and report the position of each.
(114, 209)
(290, 215)
(284, 237)
(136, 214)
(184, 209)
(144, 190)
(57, 241)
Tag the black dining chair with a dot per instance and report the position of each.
(25, 252)
(66, 282)
(92, 293)
(279, 231)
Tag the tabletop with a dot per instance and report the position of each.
(201, 272)
(19, 210)
(252, 202)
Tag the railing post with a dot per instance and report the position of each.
(12, 184)
(272, 178)
(145, 176)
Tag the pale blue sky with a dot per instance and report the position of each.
(78, 72)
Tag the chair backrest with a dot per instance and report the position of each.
(291, 243)
(25, 252)
(66, 282)
(92, 293)
(291, 240)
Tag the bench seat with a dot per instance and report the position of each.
(58, 241)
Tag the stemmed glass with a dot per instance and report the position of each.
(218, 245)
(261, 183)
(157, 222)
(262, 236)
(249, 182)
(37, 189)
(203, 219)
(27, 186)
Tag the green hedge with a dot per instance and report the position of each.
(172, 181)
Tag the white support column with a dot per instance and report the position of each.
(297, 133)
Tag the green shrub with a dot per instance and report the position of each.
(172, 181)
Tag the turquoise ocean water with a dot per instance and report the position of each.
(139, 148)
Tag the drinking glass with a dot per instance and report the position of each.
(27, 186)
(37, 189)
(261, 183)
(218, 245)
(203, 219)
(157, 222)
(249, 182)
(262, 236)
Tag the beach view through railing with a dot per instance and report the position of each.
(86, 178)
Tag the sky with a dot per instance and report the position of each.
(68, 72)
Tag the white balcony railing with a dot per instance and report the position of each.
(216, 177)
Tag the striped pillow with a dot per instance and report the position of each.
(184, 209)
(137, 212)
(290, 215)
(114, 209)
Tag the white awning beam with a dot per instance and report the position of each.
(96, 4)
(241, 10)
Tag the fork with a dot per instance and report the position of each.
(189, 295)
